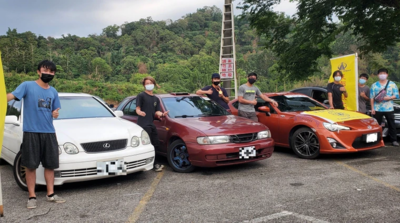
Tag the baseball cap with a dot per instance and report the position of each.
(215, 75)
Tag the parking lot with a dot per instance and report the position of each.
(363, 187)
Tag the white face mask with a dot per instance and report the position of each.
(382, 77)
(149, 87)
(338, 78)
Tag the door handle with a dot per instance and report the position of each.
(282, 115)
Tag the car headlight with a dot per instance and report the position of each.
(264, 134)
(135, 141)
(59, 150)
(145, 138)
(213, 140)
(70, 148)
(335, 127)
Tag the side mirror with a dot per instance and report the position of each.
(12, 119)
(111, 106)
(119, 113)
(264, 109)
(326, 102)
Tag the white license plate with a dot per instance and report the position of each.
(372, 137)
(117, 167)
(247, 152)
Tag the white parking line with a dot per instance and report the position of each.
(283, 214)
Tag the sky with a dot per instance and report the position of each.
(83, 17)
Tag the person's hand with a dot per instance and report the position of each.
(331, 107)
(387, 98)
(55, 113)
(254, 102)
(274, 103)
(209, 91)
(342, 89)
(142, 113)
(165, 114)
(362, 94)
(373, 111)
(221, 95)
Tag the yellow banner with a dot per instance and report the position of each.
(3, 104)
(337, 115)
(348, 66)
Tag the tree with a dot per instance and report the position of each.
(301, 39)
(101, 69)
(111, 31)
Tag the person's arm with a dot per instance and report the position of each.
(371, 96)
(225, 96)
(330, 98)
(10, 97)
(56, 106)
(18, 94)
(159, 113)
(205, 90)
(345, 94)
(267, 99)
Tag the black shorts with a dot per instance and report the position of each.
(39, 148)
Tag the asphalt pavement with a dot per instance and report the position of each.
(359, 187)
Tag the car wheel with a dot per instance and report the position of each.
(20, 172)
(178, 157)
(305, 143)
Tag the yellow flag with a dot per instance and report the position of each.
(3, 104)
(349, 67)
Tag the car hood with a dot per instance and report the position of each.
(80, 131)
(222, 125)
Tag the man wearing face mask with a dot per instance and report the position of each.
(247, 98)
(335, 91)
(385, 107)
(215, 92)
(39, 142)
(363, 93)
(147, 107)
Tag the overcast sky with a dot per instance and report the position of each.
(84, 17)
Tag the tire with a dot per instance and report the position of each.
(178, 157)
(305, 143)
(19, 172)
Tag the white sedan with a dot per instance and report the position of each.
(94, 142)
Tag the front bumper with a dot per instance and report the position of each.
(349, 140)
(227, 154)
(83, 166)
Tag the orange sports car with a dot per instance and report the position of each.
(309, 128)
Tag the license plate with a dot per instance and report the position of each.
(106, 168)
(372, 137)
(247, 152)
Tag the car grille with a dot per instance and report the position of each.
(243, 138)
(104, 146)
(93, 171)
(360, 142)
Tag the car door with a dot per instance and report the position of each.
(12, 139)
(162, 126)
(271, 120)
(130, 111)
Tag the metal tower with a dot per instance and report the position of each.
(227, 60)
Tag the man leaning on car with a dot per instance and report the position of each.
(39, 143)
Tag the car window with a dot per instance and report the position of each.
(293, 103)
(236, 104)
(130, 109)
(122, 104)
(183, 107)
(261, 102)
(14, 108)
(73, 107)
(320, 96)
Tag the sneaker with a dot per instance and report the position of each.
(158, 167)
(55, 199)
(395, 143)
(31, 204)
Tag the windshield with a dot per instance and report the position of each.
(82, 107)
(293, 103)
(184, 107)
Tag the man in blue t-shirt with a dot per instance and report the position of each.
(215, 92)
(39, 143)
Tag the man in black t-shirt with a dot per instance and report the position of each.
(335, 91)
(147, 107)
(215, 92)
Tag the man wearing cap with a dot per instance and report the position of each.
(247, 98)
(215, 92)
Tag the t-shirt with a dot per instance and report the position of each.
(39, 104)
(148, 104)
(336, 95)
(248, 93)
(391, 90)
(215, 95)
(362, 103)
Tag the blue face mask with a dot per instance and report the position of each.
(362, 81)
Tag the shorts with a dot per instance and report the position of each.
(39, 148)
(249, 115)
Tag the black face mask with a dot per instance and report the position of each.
(46, 78)
(252, 81)
(216, 83)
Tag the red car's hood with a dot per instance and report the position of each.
(222, 125)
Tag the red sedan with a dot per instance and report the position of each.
(199, 132)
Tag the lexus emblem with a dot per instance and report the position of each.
(369, 127)
(106, 145)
